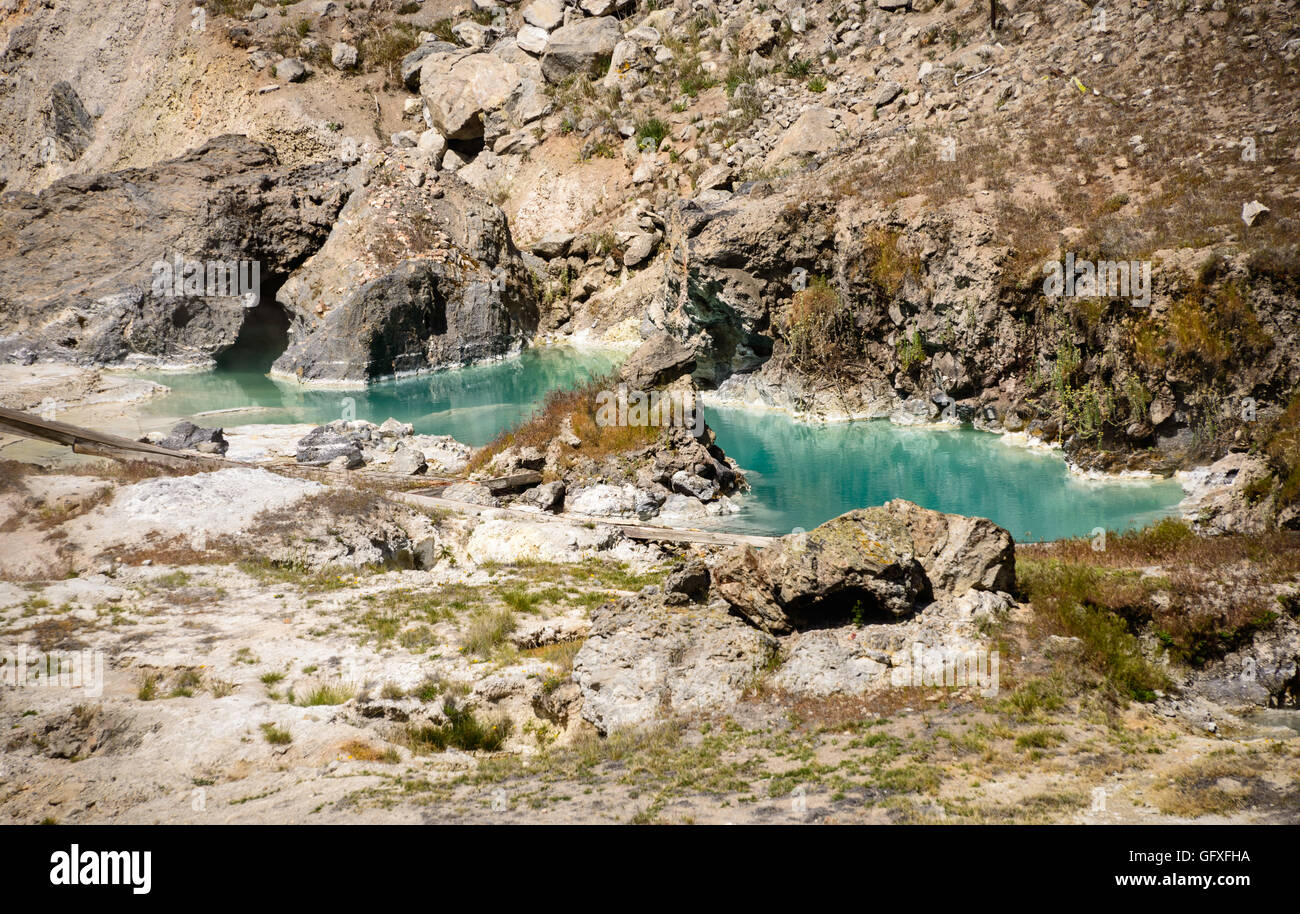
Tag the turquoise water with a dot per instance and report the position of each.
(800, 475)
(471, 404)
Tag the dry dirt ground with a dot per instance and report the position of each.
(240, 687)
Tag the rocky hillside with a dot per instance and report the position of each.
(836, 208)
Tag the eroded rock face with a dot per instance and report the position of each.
(857, 559)
(644, 659)
(660, 360)
(1263, 673)
(884, 562)
(959, 553)
(71, 291)
(411, 278)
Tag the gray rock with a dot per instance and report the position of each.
(690, 580)
(471, 493)
(643, 660)
(604, 500)
(714, 178)
(639, 250)
(393, 428)
(425, 309)
(462, 91)
(579, 47)
(232, 193)
(322, 446)
(1263, 673)
(555, 244)
(759, 34)
(1252, 212)
(544, 14)
(694, 486)
(186, 436)
(813, 133)
(412, 62)
(958, 553)
(407, 462)
(886, 93)
(660, 360)
(826, 662)
(886, 561)
(532, 39)
(859, 563)
(473, 35)
(549, 496)
(343, 56)
(291, 69)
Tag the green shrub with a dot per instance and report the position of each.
(1083, 601)
(461, 731)
(653, 130)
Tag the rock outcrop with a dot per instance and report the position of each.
(411, 278)
(660, 360)
(644, 658)
(874, 563)
(71, 291)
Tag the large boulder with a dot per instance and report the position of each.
(959, 553)
(883, 562)
(186, 436)
(812, 133)
(413, 63)
(72, 291)
(411, 278)
(660, 360)
(580, 47)
(544, 14)
(323, 445)
(644, 659)
(859, 564)
(462, 91)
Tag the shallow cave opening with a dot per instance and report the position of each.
(263, 337)
(467, 149)
(852, 605)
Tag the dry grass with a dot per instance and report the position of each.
(360, 751)
(1209, 595)
(578, 405)
(1219, 784)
